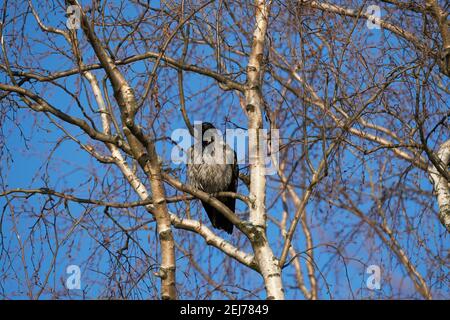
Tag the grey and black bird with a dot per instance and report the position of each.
(212, 167)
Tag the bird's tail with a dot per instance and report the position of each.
(218, 220)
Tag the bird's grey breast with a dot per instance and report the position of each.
(208, 171)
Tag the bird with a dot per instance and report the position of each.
(213, 171)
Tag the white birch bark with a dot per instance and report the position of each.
(441, 184)
(267, 262)
(167, 267)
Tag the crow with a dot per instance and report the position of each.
(212, 167)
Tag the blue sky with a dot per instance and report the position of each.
(72, 169)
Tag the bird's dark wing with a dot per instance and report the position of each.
(231, 202)
(218, 220)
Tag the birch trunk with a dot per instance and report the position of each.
(143, 150)
(267, 262)
(442, 185)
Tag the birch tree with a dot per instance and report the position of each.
(93, 95)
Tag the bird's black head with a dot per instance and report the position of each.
(206, 126)
(208, 136)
